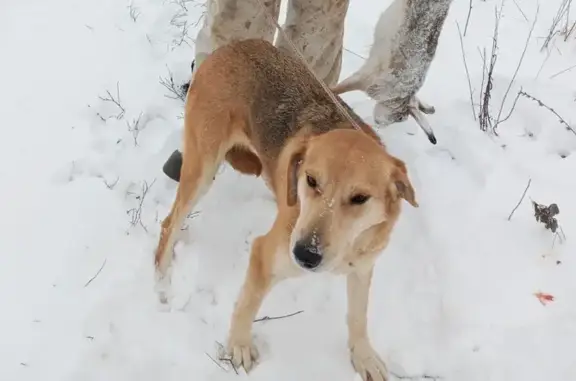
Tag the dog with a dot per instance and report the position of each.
(338, 191)
(405, 40)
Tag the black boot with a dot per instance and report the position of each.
(173, 165)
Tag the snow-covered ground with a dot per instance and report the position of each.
(82, 195)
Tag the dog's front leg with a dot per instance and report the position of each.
(364, 358)
(257, 284)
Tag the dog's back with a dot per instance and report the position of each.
(273, 93)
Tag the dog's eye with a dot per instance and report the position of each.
(312, 183)
(359, 199)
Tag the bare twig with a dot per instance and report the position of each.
(484, 116)
(521, 199)
(182, 4)
(562, 11)
(511, 108)
(563, 71)
(541, 104)
(466, 68)
(135, 128)
(354, 53)
(521, 11)
(215, 362)
(266, 318)
(467, 19)
(182, 27)
(569, 31)
(134, 12)
(415, 378)
(190, 216)
(548, 54)
(136, 213)
(483, 57)
(559, 235)
(115, 100)
(517, 67)
(566, 31)
(111, 185)
(95, 275)
(176, 91)
(223, 357)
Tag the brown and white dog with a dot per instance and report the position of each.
(338, 191)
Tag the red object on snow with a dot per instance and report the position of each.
(544, 298)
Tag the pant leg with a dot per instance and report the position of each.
(316, 27)
(224, 21)
(228, 20)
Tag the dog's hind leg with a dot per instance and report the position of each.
(203, 155)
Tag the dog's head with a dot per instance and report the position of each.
(346, 183)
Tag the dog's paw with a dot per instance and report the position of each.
(242, 353)
(368, 363)
(163, 289)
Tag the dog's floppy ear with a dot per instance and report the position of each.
(292, 176)
(402, 183)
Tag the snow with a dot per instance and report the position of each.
(453, 295)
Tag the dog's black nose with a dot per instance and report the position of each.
(307, 256)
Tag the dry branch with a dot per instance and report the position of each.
(136, 213)
(467, 18)
(115, 100)
(267, 318)
(563, 10)
(134, 12)
(521, 198)
(521, 11)
(542, 104)
(467, 71)
(215, 362)
(415, 378)
(135, 128)
(111, 185)
(176, 91)
(563, 71)
(95, 275)
(484, 116)
(517, 67)
(569, 31)
(180, 22)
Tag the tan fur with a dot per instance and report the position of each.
(263, 112)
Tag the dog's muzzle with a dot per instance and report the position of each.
(307, 256)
